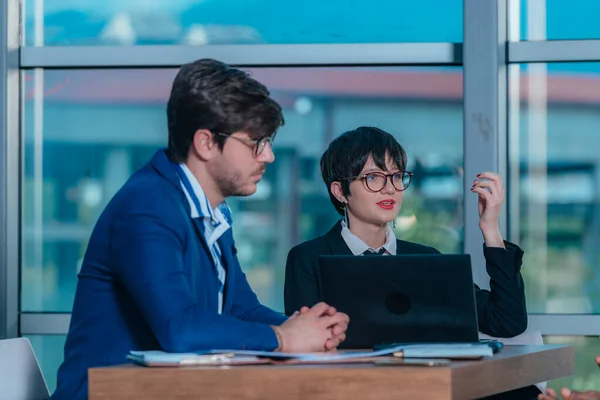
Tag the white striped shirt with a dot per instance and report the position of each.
(215, 222)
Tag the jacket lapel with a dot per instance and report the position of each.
(161, 164)
(164, 167)
(229, 258)
(199, 229)
(401, 247)
(336, 242)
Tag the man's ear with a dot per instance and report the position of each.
(336, 190)
(203, 145)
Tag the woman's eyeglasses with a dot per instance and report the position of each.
(377, 181)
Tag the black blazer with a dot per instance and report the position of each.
(501, 312)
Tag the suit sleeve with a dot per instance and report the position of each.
(146, 255)
(502, 310)
(301, 287)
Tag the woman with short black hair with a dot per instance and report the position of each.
(365, 173)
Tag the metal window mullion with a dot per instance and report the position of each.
(565, 324)
(243, 55)
(546, 324)
(553, 51)
(45, 323)
(485, 125)
(9, 168)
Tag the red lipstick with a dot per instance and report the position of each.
(387, 204)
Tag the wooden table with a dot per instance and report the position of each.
(513, 367)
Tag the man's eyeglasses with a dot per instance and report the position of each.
(377, 181)
(258, 144)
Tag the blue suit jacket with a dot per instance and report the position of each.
(148, 282)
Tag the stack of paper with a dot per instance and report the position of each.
(155, 358)
(245, 357)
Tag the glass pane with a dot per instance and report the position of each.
(111, 22)
(587, 375)
(87, 131)
(555, 184)
(49, 352)
(559, 20)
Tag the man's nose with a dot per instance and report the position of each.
(267, 155)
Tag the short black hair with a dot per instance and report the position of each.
(347, 155)
(209, 94)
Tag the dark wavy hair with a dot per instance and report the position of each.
(208, 94)
(347, 155)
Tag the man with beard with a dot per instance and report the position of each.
(161, 271)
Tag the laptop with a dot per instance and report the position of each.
(402, 299)
(21, 377)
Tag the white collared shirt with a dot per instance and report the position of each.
(215, 221)
(358, 247)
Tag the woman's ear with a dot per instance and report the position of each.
(336, 190)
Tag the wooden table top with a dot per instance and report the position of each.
(513, 367)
